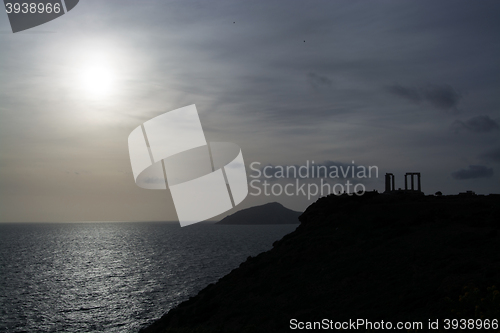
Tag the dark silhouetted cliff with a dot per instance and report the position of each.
(270, 213)
(375, 257)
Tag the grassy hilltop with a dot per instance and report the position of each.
(398, 257)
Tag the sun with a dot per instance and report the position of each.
(97, 81)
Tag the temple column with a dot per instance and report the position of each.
(412, 182)
(393, 183)
(419, 188)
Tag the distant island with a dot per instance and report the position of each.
(395, 257)
(270, 213)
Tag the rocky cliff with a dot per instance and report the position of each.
(374, 257)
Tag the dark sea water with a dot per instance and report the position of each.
(114, 277)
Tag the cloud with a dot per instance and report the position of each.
(493, 155)
(478, 124)
(442, 97)
(251, 84)
(409, 93)
(473, 172)
(319, 81)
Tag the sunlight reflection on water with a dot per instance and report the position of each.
(113, 277)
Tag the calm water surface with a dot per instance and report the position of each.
(114, 277)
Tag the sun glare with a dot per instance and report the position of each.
(97, 80)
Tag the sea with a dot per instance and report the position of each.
(112, 276)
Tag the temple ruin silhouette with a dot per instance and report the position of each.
(390, 183)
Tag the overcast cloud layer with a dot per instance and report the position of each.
(406, 86)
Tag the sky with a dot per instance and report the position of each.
(405, 86)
